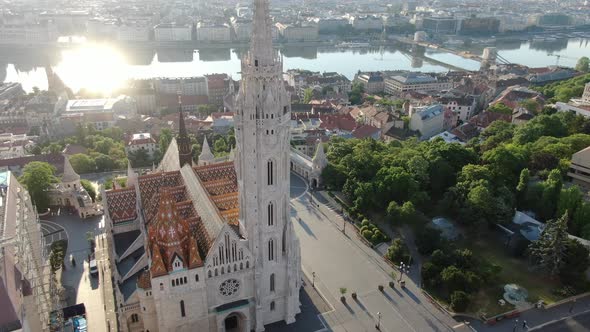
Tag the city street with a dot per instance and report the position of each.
(343, 261)
(80, 286)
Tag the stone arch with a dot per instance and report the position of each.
(235, 322)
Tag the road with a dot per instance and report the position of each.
(79, 285)
(343, 261)
(578, 323)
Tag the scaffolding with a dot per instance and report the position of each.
(30, 255)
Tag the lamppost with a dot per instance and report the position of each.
(378, 326)
(344, 226)
(403, 268)
(313, 279)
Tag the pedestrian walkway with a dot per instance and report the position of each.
(537, 317)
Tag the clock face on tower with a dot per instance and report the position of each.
(229, 287)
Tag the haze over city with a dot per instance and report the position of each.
(294, 165)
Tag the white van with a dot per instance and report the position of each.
(93, 268)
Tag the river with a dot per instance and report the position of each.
(104, 68)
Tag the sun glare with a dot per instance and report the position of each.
(94, 67)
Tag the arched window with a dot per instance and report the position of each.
(134, 318)
(271, 250)
(185, 280)
(272, 282)
(182, 313)
(222, 270)
(209, 273)
(241, 266)
(216, 274)
(173, 282)
(270, 172)
(272, 306)
(271, 214)
(196, 277)
(247, 264)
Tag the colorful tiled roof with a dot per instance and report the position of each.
(121, 204)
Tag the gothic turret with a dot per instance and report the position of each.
(183, 141)
(70, 178)
(206, 157)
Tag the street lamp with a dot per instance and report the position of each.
(378, 326)
(313, 279)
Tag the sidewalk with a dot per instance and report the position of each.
(103, 244)
(537, 317)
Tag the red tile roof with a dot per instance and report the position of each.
(365, 131)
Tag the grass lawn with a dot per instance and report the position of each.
(515, 270)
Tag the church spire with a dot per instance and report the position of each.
(69, 174)
(206, 157)
(261, 46)
(184, 142)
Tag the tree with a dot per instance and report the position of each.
(164, 140)
(54, 148)
(549, 250)
(581, 221)
(398, 252)
(220, 147)
(500, 108)
(356, 94)
(37, 178)
(569, 200)
(530, 105)
(104, 163)
(82, 163)
(583, 64)
(459, 301)
(523, 184)
(307, 95)
(36, 150)
(89, 189)
(576, 262)
(454, 278)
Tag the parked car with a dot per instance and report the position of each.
(80, 324)
(93, 268)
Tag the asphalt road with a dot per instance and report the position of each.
(578, 323)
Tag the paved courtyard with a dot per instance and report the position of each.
(80, 286)
(341, 260)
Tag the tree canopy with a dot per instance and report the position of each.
(37, 178)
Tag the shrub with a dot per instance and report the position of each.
(398, 252)
(454, 278)
(459, 301)
(366, 222)
(367, 234)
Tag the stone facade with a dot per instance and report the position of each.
(214, 246)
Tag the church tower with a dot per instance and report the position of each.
(184, 142)
(262, 116)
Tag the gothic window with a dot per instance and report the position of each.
(222, 270)
(134, 318)
(255, 63)
(247, 264)
(185, 280)
(229, 287)
(272, 306)
(241, 266)
(270, 172)
(182, 313)
(271, 250)
(196, 277)
(216, 274)
(173, 282)
(235, 267)
(272, 282)
(209, 273)
(271, 214)
(229, 269)
(272, 116)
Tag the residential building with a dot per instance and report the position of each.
(463, 106)
(331, 25)
(478, 26)
(190, 86)
(11, 90)
(29, 33)
(173, 32)
(242, 28)
(366, 23)
(142, 141)
(213, 32)
(302, 80)
(27, 289)
(197, 250)
(372, 81)
(298, 32)
(133, 32)
(428, 121)
(219, 86)
(416, 82)
(580, 168)
(440, 25)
